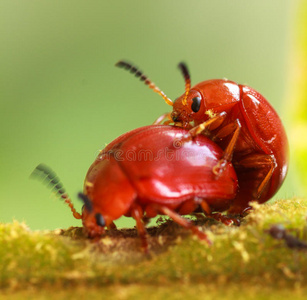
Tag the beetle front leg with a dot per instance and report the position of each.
(111, 226)
(211, 124)
(160, 120)
(137, 214)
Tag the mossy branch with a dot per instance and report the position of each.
(247, 255)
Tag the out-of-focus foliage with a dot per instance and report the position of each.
(296, 101)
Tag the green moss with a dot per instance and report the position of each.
(241, 259)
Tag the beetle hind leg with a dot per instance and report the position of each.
(226, 220)
(183, 222)
(259, 161)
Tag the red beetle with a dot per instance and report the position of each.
(242, 122)
(148, 171)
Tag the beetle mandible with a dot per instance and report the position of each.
(149, 171)
(242, 122)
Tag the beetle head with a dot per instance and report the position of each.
(205, 100)
(108, 195)
(188, 108)
(93, 222)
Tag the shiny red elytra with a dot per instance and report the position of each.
(242, 122)
(149, 171)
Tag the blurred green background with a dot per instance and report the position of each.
(62, 99)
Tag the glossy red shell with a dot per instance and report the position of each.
(151, 165)
(262, 132)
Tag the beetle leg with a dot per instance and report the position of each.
(167, 122)
(137, 214)
(227, 156)
(183, 222)
(160, 120)
(112, 226)
(226, 220)
(260, 161)
(206, 208)
(225, 131)
(213, 122)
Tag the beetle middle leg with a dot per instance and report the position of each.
(166, 117)
(231, 128)
(234, 128)
(137, 214)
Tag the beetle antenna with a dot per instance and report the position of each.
(147, 81)
(48, 176)
(86, 201)
(185, 72)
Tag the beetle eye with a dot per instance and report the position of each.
(100, 220)
(196, 104)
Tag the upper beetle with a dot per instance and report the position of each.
(149, 171)
(242, 122)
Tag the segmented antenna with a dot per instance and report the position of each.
(48, 176)
(185, 72)
(134, 70)
(87, 202)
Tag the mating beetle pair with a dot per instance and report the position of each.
(243, 157)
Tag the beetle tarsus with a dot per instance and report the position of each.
(225, 219)
(220, 167)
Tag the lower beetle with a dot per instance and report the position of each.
(149, 171)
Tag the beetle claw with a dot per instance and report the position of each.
(220, 167)
(225, 219)
(201, 235)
